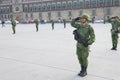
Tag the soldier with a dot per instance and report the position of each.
(52, 21)
(85, 37)
(13, 22)
(64, 21)
(37, 23)
(93, 19)
(3, 22)
(114, 31)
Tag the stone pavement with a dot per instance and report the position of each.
(50, 55)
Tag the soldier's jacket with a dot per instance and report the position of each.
(86, 32)
(13, 23)
(36, 22)
(115, 25)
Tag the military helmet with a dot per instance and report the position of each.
(86, 16)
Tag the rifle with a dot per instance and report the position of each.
(79, 38)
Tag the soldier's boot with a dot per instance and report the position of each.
(84, 73)
(79, 74)
(113, 48)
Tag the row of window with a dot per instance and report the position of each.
(4, 10)
(5, 1)
(6, 16)
(59, 14)
(68, 5)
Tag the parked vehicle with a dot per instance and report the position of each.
(7, 22)
(99, 21)
(31, 21)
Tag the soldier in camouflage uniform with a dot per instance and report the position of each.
(93, 19)
(64, 21)
(114, 31)
(13, 22)
(87, 32)
(52, 21)
(37, 23)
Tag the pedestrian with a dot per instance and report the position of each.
(37, 23)
(84, 34)
(52, 21)
(3, 22)
(64, 21)
(13, 22)
(115, 22)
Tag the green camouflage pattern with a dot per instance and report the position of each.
(87, 33)
(114, 31)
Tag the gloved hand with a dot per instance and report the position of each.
(86, 44)
(112, 17)
(117, 31)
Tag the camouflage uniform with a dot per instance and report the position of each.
(87, 33)
(114, 31)
(37, 23)
(13, 26)
(64, 21)
(52, 24)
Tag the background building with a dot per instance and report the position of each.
(57, 9)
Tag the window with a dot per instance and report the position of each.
(87, 4)
(75, 4)
(34, 7)
(26, 15)
(108, 11)
(30, 7)
(1, 16)
(58, 5)
(49, 14)
(64, 5)
(25, 8)
(0, 10)
(108, 2)
(81, 4)
(69, 13)
(7, 9)
(69, 5)
(93, 3)
(39, 7)
(116, 2)
(59, 14)
(101, 3)
(80, 13)
(43, 7)
(53, 6)
(31, 15)
(3, 10)
(11, 16)
(17, 8)
(48, 6)
(40, 14)
(5, 16)
(93, 12)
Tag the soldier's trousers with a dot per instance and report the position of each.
(83, 56)
(52, 27)
(114, 39)
(36, 27)
(13, 28)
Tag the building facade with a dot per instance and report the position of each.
(57, 9)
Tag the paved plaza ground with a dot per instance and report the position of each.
(51, 54)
